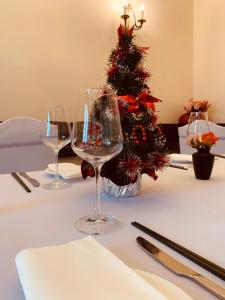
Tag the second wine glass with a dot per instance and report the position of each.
(56, 133)
(97, 137)
(198, 123)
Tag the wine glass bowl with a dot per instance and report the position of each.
(96, 138)
(198, 123)
(97, 149)
(56, 133)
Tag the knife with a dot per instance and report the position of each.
(20, 181)
(196, 258)
(218, 155)
(32, 180)
(177, 167)
(181, 269)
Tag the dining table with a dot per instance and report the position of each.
(189, 211)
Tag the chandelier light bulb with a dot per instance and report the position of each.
(125, 6)
(142, 9)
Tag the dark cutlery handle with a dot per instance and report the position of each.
(201, 261)
(20, 181)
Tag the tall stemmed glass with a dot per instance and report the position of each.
(97, 137)
(198, 123)
(56, 133)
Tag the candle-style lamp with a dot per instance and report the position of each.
(125, 16)
(127, 8)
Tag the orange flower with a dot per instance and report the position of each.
(208, 139)
(205, 140)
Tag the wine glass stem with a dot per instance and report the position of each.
(57, 165)
(97, 197)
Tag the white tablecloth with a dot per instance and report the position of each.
(188, 211)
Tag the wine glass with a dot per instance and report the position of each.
(56, 133)
(198, 123)
(97, 137)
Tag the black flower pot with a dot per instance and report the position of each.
(203, 162)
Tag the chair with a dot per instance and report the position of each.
(216, 129)
(21, 148)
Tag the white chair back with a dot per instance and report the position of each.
(21, 148)
(218, 130)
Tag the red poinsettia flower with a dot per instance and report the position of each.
(130, 103)
(148, 100)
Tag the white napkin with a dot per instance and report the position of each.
(80, 270)
(180, 158)
(66, 170)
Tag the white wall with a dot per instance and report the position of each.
(209, 55)
(49, 50)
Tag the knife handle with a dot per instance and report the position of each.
(209, 285)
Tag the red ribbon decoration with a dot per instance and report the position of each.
(131, 101)
(143, 98)
(148, 100)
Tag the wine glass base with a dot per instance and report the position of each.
(96, 225)
(56, 185)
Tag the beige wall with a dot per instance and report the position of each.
(170, 35)
(49, 50)
(209, 55)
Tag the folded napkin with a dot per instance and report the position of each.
(180, 158)
(66, 170)
(80, 270)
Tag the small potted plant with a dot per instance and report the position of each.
(203, 160)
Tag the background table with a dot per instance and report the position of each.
(188, 211)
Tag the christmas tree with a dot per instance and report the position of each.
(144, 145)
